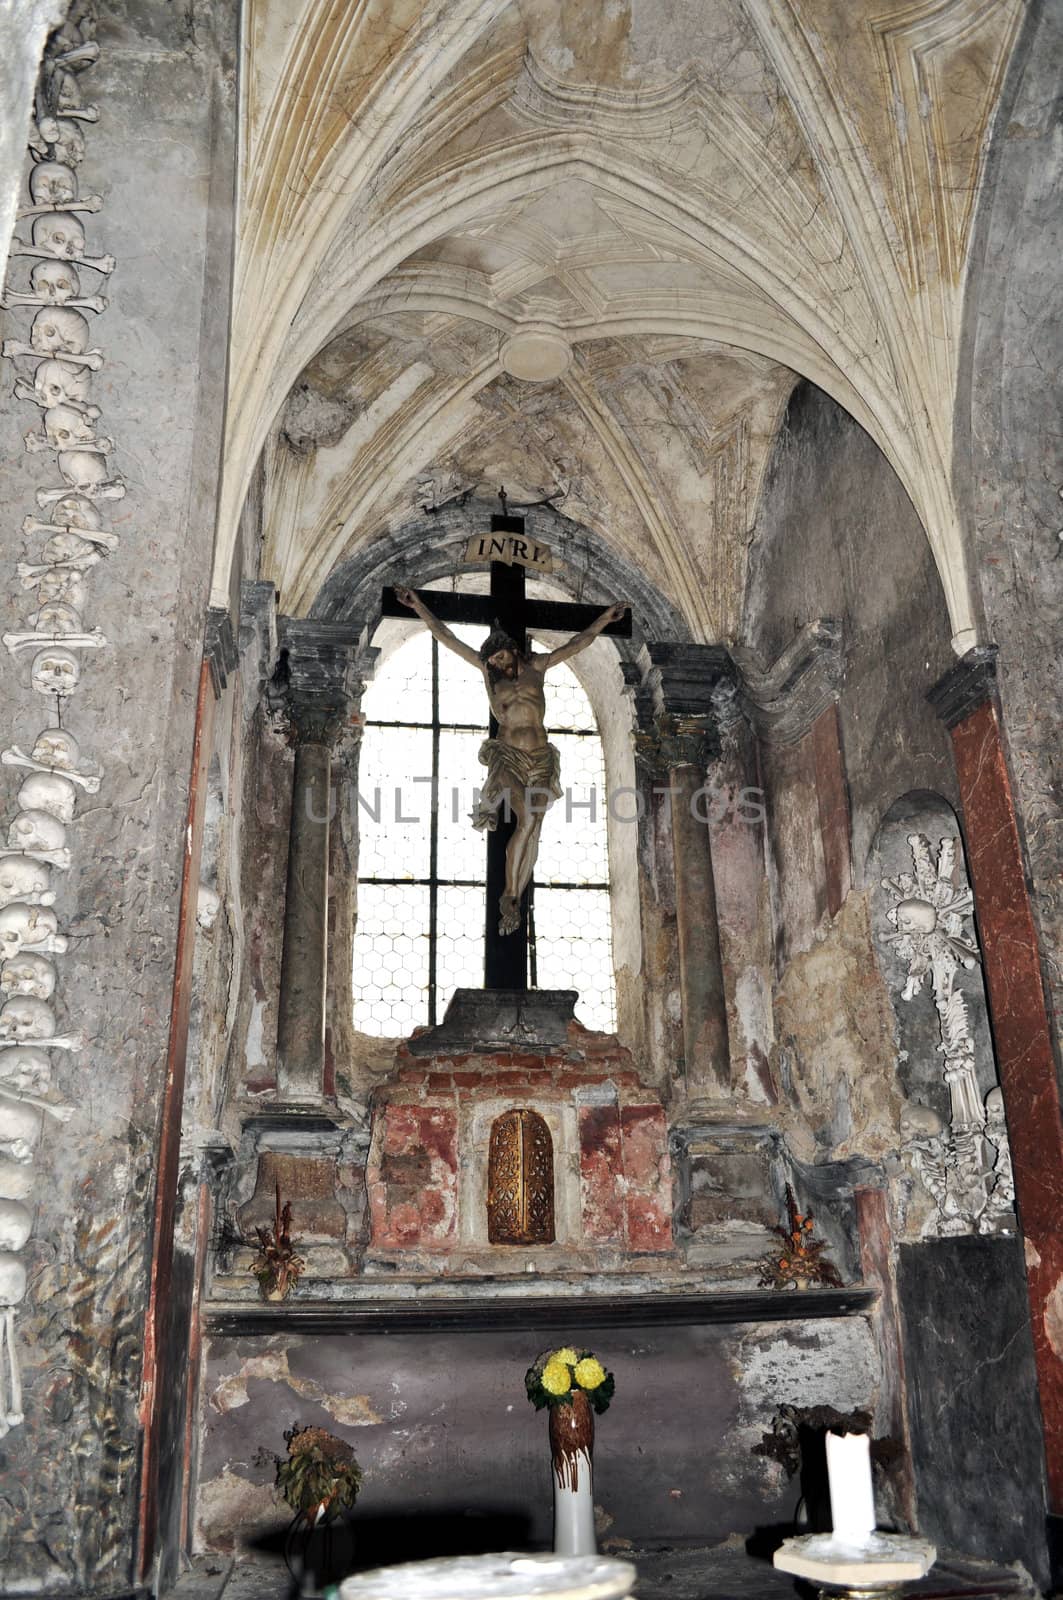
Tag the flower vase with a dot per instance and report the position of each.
(571, 1448)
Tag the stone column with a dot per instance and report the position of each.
(965, 699)
(685, 679)
(318, 703)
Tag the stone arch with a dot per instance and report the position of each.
(424, 550)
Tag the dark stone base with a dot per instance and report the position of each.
(500, 1019)
(1054, 1529)
(977, 1449)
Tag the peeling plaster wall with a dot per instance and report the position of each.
(441, 1425)
(161, 155)
(837, 537)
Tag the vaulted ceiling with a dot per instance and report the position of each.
(675, 207)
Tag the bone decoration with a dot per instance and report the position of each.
(29, 974)
(953, 1162)
(55, 752)
(64, 546)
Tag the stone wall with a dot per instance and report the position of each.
(161, 156)
(837, 537)
(455, 1456)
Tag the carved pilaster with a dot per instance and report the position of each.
(693, 689)
(316, 687)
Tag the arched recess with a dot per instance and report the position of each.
(427, 552)
(919, 1063)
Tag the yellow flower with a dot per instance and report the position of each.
(590, 1373)
(556, 1378)
(567, 1355)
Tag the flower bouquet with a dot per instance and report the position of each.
(557, 1375)
(571, 1384)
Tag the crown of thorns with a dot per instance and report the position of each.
(498, 639)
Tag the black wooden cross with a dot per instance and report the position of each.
(505, 957)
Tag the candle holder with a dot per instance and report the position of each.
(879, 1567)
(854, 1559)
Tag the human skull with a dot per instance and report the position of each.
(55, 281)
(83, 469)
(24, 1017)
(16, 1180)
(28, 974)
(57, 618)
(45, 791)
(15, 1224)
(59, 234)
(31, 831)
(25, 1069)
(55, 671)
(920, 1122)
(52, 184)
(59, 330)
(22, 925)
(12, 1278)
(55, 748)
(916, 916)
(62, 547)
(68, 142)
(66, 428)
(20, 1128)
(56, 383)
(62, 586)
(28, 881)
(71, 511)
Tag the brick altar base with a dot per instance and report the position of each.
(428, 1159)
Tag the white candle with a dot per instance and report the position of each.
(852, 1499)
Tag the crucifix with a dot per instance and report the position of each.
(522, 767)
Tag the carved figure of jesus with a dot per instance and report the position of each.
(523, 767)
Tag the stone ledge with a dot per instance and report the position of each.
(431, 1306)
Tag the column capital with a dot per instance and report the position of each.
(673, 742)
(689, 680)
(219, 648)
(320, 678)
(966, 685)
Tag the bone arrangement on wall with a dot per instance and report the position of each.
(964, 1164)
(51, 274)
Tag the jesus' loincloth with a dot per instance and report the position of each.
(509, 768)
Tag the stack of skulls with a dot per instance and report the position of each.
(54, 371)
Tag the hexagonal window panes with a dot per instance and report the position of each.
(422, 865)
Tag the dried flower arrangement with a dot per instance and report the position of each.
(277, 1266)
(801, 1263)
(319, 1476)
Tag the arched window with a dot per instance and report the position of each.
(421, 867)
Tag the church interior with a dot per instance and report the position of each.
(710, 351)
